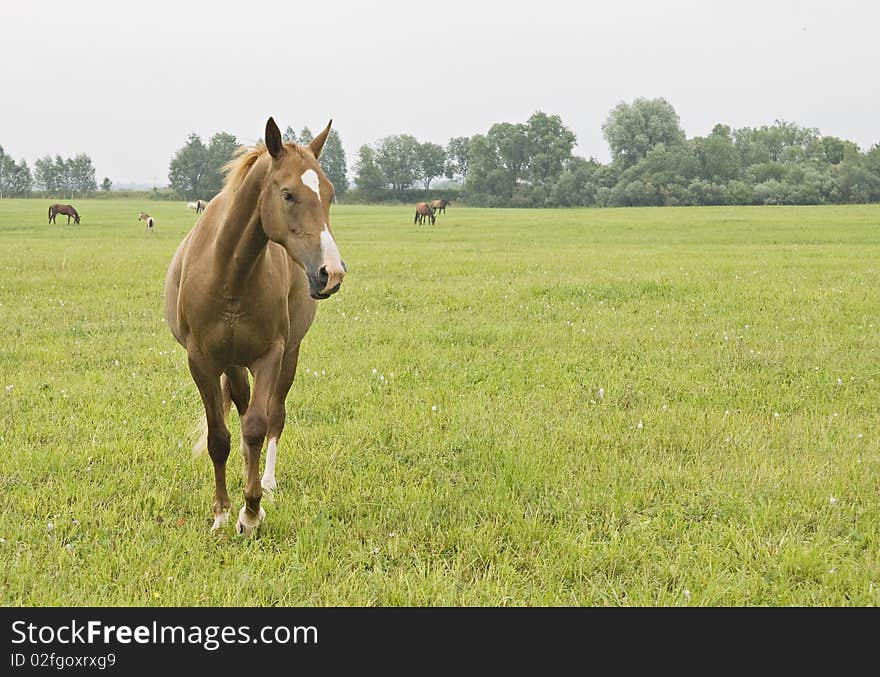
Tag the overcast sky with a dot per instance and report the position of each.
(126, 83)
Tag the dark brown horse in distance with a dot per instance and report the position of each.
(440, 205)
(64, 210)
(424, 211)
(240, 295)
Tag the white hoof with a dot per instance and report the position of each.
(220, 520)
(247, 524)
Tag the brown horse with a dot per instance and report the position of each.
(64, 210)
(200, 206)
(240, 294)
(424, 211)
(439, 206)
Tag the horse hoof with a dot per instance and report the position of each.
(269, 483)
(246, 524)
(220, 520)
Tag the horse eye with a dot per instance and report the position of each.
(288, 197)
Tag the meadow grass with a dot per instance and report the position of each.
(648, 407)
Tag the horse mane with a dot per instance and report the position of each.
(245, 158)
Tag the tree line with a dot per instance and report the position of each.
(196, 170)
(532, 164)
(73, 177)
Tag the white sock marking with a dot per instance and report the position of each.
(268, 480)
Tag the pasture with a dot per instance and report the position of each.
(512, 407)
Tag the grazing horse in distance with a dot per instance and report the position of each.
(440, 205)
(192, 205)
(200, 206)
(151, 222)
(64, 210)
(240, 294)
(424, 211)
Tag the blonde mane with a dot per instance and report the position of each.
(245, 158)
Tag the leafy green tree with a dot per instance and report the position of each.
(718, 158)
(576, 185)
(632, 130)
(81, 175)
(196, 170)
(549, 145)
(16, 179)
(46, 176)
(511, 146)
(430, 163)
(188, 167)
(457, 158)
(397, 157)
(221, 149)
(106, 184)
(333, 163)
(305, 136)
(369, 177)
(63, 175)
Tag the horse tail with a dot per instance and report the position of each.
(200, 432)
(200, 429)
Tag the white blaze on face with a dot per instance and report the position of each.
(329, 250)
(331, 259)
(310, 180)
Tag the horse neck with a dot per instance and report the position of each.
(241, 240)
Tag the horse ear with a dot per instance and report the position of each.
(317, 143)
(273, 139)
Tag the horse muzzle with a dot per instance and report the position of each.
(326, 282)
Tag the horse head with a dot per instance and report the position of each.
(295, 209)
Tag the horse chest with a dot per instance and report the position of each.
(240, 331)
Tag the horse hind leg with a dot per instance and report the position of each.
(277, 416)
(209, 385)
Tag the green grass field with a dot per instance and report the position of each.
(514, 407)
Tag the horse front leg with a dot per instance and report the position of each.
(254, 425)
(207, 378)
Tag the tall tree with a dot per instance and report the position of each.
(221, 149)
(106, 184)
(45, 175)
(550, 145)
(397, 157)
(634, 129)
(719, 159)
(188, 166)
(82, 175)
(457, 158)
(430, 163)
(289, 135)
(16, 179)
(196, 170)
(333, 163)
(369, 177)
(305, 136)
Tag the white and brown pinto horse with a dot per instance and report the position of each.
(241, 293)
(150, 222)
